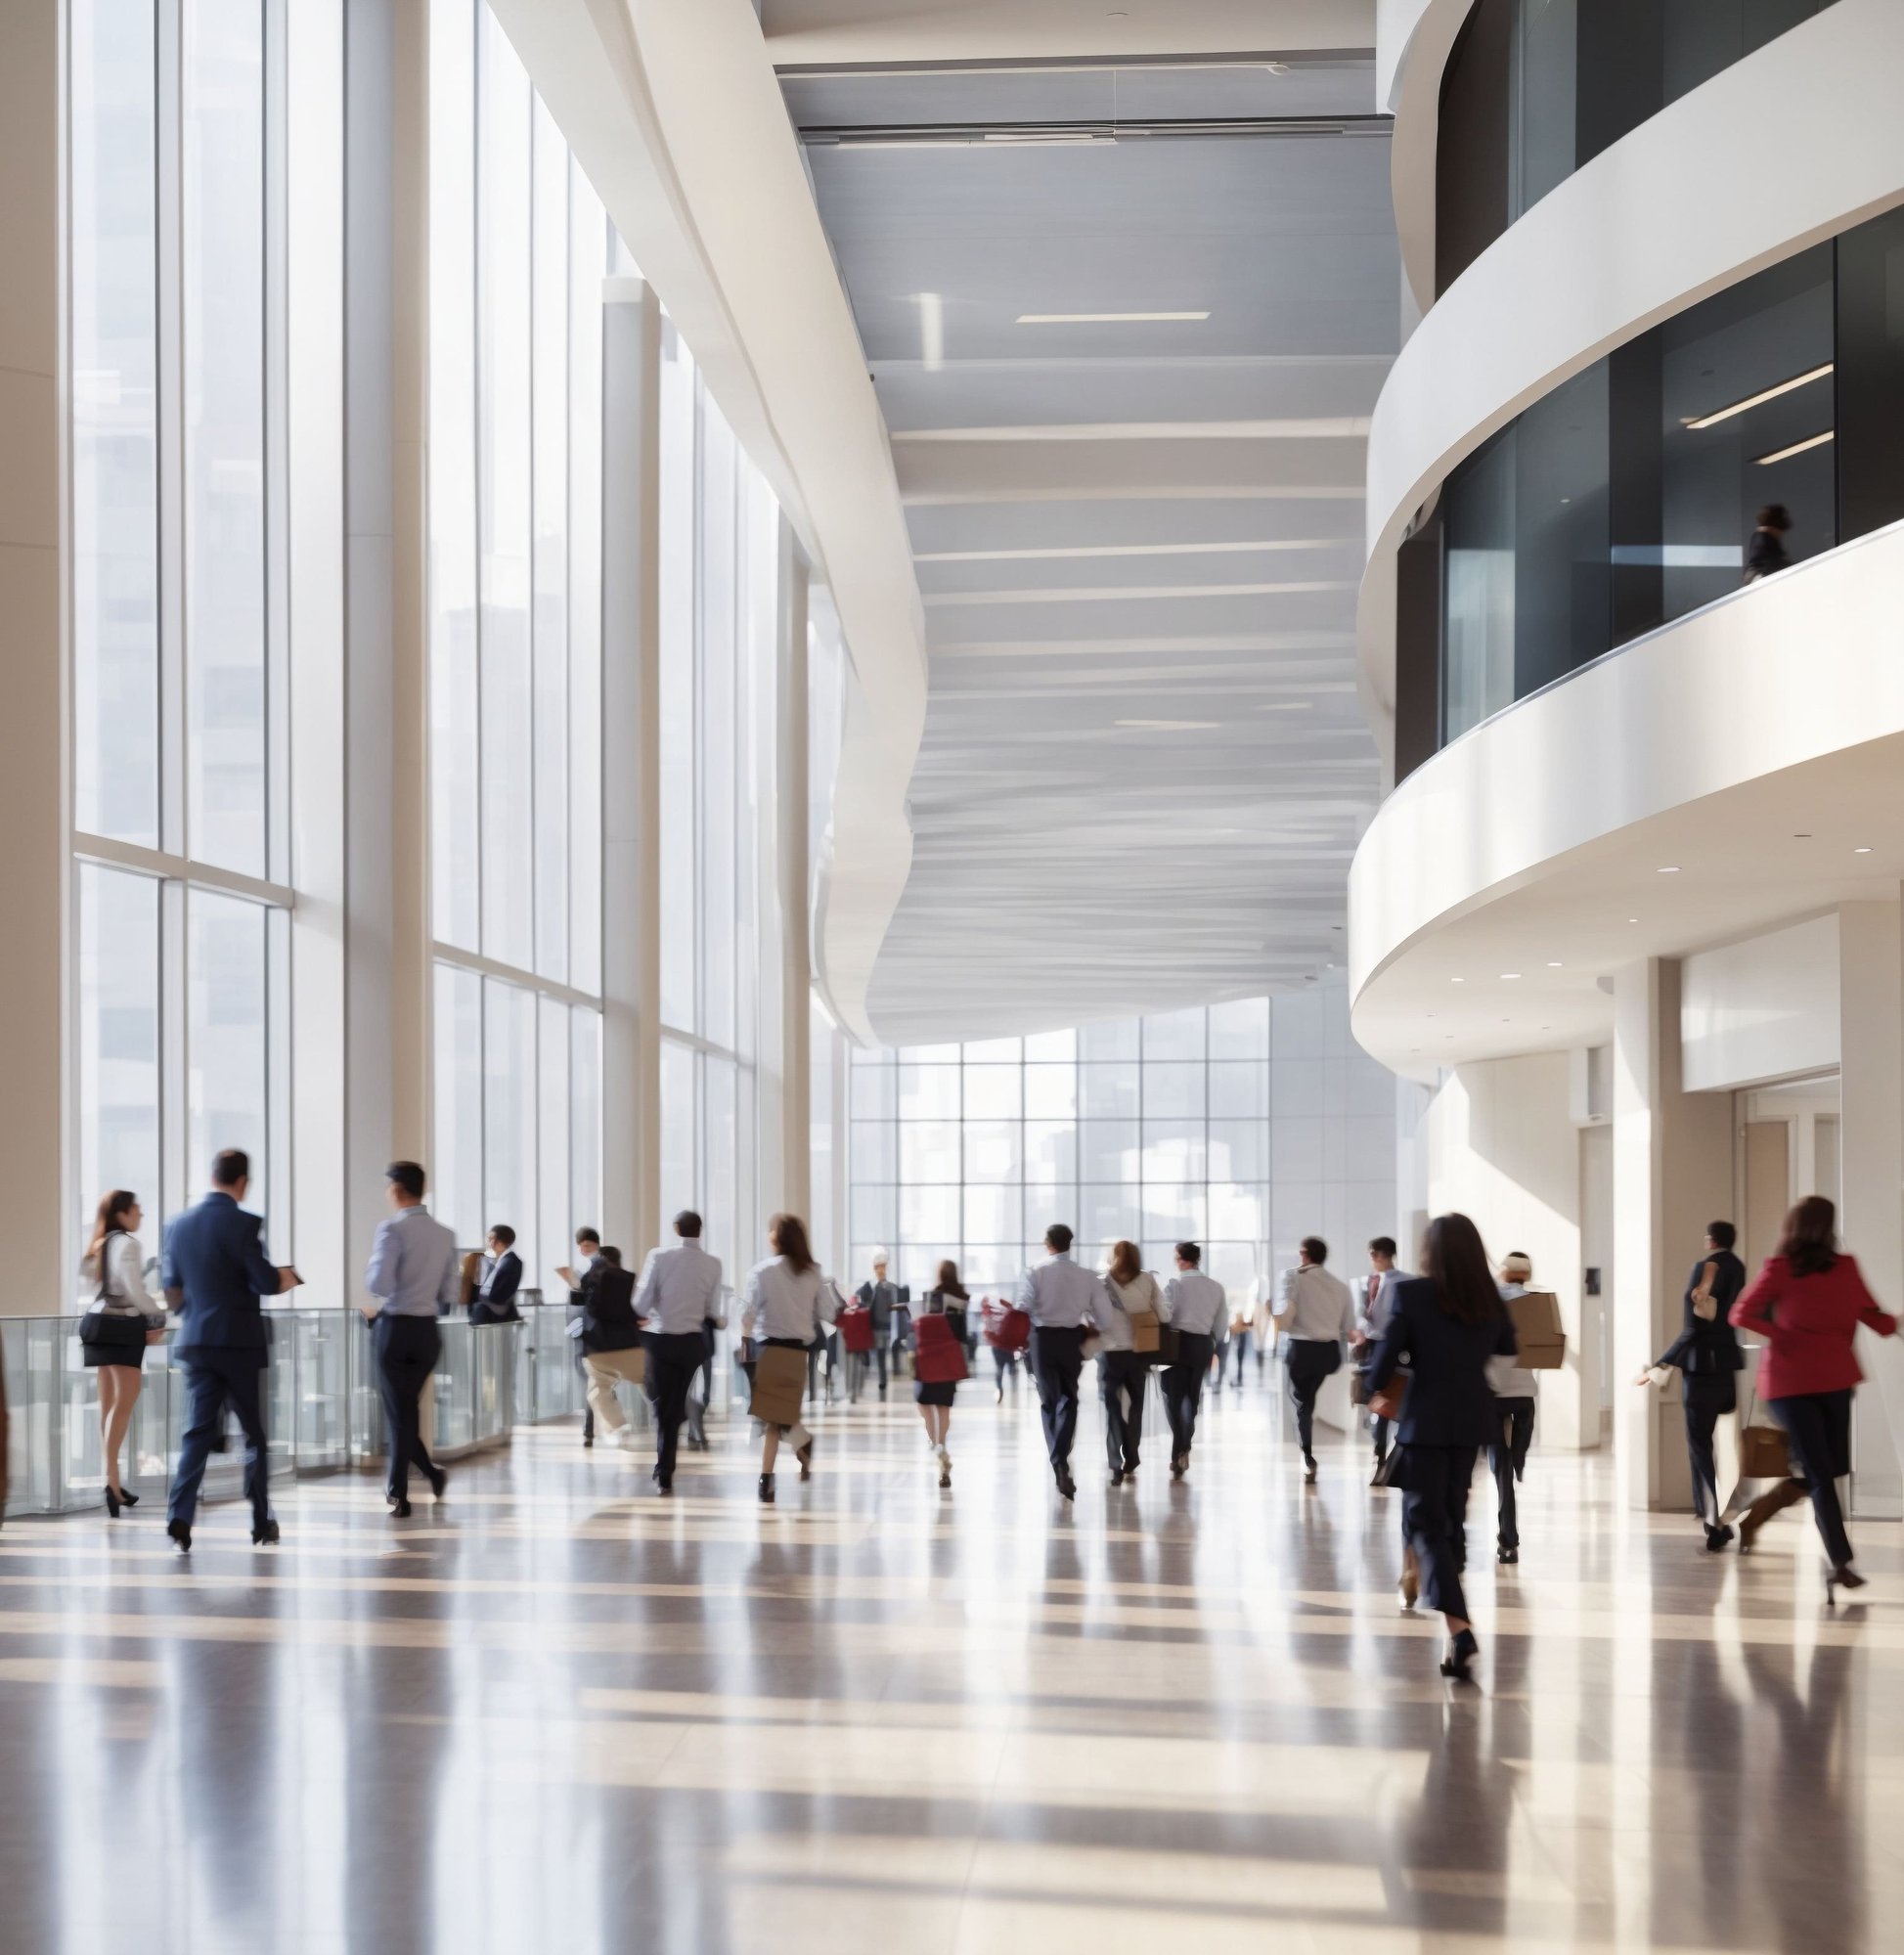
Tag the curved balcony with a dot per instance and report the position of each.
(1741, 765)
(1693, 200)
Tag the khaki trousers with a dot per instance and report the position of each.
(605, 1368)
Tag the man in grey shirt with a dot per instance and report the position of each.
(1064, 1302)
(678, 1299)
(1316, 1315)
(412, 1275)
(1197, 1309)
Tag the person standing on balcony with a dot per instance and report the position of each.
(216, 1275)
(498, 1280)
(1765, 550)
(678, 1299)
(413, 1274)
(114, 1334)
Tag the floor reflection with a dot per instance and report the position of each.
(558, 1712)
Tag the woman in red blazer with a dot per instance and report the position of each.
(1808, 1302)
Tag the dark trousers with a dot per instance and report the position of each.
(1182, 1387)
(407, 1350)
(1121, 1375)
(1508, 1456)
(1435, 1520)
(673, 1360)
(1378, 1432)
(878, 1355)
(1057, 1359)
(215, 1378)
(697, 1406)
(1705, 1400)
(1239, 1343)
(1308, 1360)
(1818, 1425)
(1002, 1361)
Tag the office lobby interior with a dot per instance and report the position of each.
(1231, 627)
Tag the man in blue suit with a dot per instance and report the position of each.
(215, 1273)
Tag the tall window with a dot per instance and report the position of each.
(718, 641)
(1157, 1130)
(180, 769)
(520, 245)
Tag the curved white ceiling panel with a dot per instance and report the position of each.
(674, 109)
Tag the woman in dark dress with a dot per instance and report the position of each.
(1446, 1324)
(948, 1300)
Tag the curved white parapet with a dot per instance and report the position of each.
(1559, 798)
(1794, 143)
(1413, 39)
(674, 109)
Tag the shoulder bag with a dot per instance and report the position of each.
(110, 1329)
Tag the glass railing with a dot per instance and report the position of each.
(322, 1409)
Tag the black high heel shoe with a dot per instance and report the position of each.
(1844, 1576)
(127, 1499)
(1461, 1653)
(111, 1504)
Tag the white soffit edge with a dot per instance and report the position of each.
(675, 113)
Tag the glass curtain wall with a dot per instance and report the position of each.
(719, 604)
(179, 568)
(519, 246)
(1536, 88)
(1630, 495)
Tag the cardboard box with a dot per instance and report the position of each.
(1538, 1330)
(780, 1385)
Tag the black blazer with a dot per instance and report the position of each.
(1707, 1347)
(1449, 1401)
(608, 1319)
(503, 1276)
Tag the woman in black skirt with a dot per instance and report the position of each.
(948, 1300)
(114, 1334)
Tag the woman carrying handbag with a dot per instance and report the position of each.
(1129, 1338)
(114, 1334)
(940, 1335)
(1808, 1302)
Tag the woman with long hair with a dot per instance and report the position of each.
(1808, 1302)
(1446, 1324)
(114, 1334)
(948, 1298)
(786, 1300)
(1122, 1369)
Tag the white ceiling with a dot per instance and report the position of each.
(1120, 523)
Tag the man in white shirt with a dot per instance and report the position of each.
(1197, 1309)
(1063, 1302)
(1374, 1304)
(679, 1294)
(1316, 1314)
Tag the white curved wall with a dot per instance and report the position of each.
(1801, 667)
(1794, 143)
(1413, 39)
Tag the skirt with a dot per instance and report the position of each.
(940, 1394)
(131, 1355)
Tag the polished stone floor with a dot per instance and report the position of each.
(556, 1714)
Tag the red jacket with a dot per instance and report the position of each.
(1811, 1321)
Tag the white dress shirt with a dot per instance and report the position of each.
(1196, 1303)
(121, 1283)
(784, 1302)
(680, 1291)
(1315, 1305)
(1060, 1296)
(1139, 1294)
(414, 1269)
(1506, 1378)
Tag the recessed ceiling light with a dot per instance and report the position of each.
(1554, 965)
(1457, 980)
(1861, 851)
(1671, 868)
(1796, 448)
(1171, 725)
(1108, 318)
(1718, 414)
(1632, 919)
(1510, 974)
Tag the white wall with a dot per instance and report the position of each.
(1503, 1149)
(1766, 1008)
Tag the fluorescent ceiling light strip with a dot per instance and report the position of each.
(1292, 428)
(1105, 318)
(1718, 414)
(1797, 448)
(1096, 550)
(1090, 593)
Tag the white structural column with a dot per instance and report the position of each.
(631, 776)
(791, 760)
(1871, 1150)
(1673, 1174)
(32, 739)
